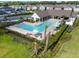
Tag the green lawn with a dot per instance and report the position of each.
(70, 48)
(14, 46)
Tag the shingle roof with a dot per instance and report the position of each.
(2, 18)
(60, 13)
(54, 13)
(43, 14)
(13, 18)
(2, 12)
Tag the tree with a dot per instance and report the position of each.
(72, 12)
(36, 47)
(45, 32)
(63, 21)
(46, 43)
(65, 18)
(46, 39)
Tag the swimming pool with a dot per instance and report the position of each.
(41, 27)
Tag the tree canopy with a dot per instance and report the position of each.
(38, 3)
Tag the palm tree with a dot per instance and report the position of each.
(45, 32)
(72, 12)
(46, 40)
(63, 21)
(36, 47)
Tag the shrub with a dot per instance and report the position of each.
(69, 29)
(2, 31)
(76, 23)
(65, 18)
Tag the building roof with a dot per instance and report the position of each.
(7, 8)
(60, 13)
(54, 13)
(13, 18)
(2, 18)
(2, 12)
(42, 14)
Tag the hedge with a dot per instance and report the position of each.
(57, 36)
(76, 23)
(4, 24)
(19, 14)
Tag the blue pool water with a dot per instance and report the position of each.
(39, 28)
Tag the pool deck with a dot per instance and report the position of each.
(38, 23)
(33, 24)
(31, 34)
(13, 28)
(23, 32)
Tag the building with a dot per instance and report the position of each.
(29, 7)
(34, 7)
(24, 7)
(44, 15)
(57, 8)
(41, 7)
(17, 7)
(2, 19)
(41, 16)
(49, 7)
(3, 13)
(76, 8)
(67, 8)
(70, 21)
